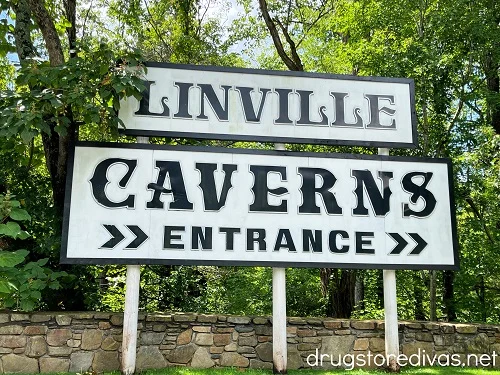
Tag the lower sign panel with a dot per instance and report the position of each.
(147, 204)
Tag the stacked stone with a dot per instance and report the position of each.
(79, 342)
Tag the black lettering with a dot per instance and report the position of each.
(417, 192)
(284, 234)
(365, 181)
(360, 242)
(177, 188)
(375, 112)
(305, 104)
(339, 98)
(183, 111)
(283, 117)
(144, 103)
(198, 237)
(207, 91)
(309, 190)
(230, 232)
(207, 185)
(332, 241)
(248, 106)
(168, 237)
(312, 241)
(256, 236)
(261, 190)
(100, 179)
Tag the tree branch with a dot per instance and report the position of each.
(479, 216)
(290, 63)
(49, 32)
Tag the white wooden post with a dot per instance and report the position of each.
(130, 315)
(279, 312)
(390, 310)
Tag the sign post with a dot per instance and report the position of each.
(131, 311)
(279, 312)
(390, 310)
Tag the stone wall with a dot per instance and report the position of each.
(78, 342)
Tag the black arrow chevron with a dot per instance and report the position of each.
(421, 244)
(115, 240)
(401, 243)
(140, 237)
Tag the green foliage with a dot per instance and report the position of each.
(21, 282)
(86, 90)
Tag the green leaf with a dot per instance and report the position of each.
(19, 214)
(11, 229)
(12, 259)
(35, 294)
(6, 287)
(27, 305)
(23, 235)
(42, 262)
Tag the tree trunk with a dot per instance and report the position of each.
(56, 146)
(432, 302)
(359, 291)
(419, 298)
(448, 296)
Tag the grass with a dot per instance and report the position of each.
(233, 371)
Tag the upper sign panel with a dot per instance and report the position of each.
(207, 102)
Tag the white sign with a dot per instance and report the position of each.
(276, 106)
(141, 204)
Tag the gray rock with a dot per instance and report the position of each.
(247, 341)
(221, 339)
(149, 357)
(184, 337)
(35, 330)
(238, 319)
(39, 318)
(58, 337)
(36, 346)
(335, 345)
(63, 320)
(81, 361)
(11, 330)
(242, 328)
(255, 363)
(4, 318)
(60, 351)
(264, 330)
(204, 339)
(479, 344)
(152, 338)
(19, 317)
(294, 360)
(265, 351)
(181, 354)
(54, 365)
(8, 341)
(105, 361)
(415, 347)
(202, 359)
(19, 364)
(232, 359)
(91, 339)
(110, 343)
